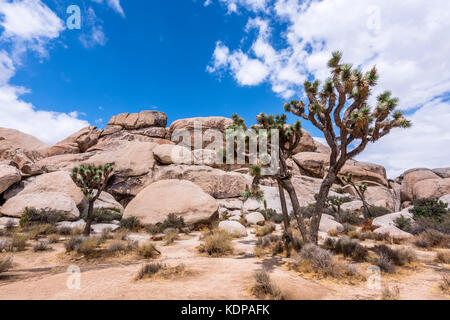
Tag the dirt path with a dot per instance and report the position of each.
(212, 278)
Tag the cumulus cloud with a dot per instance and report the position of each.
(234, 5)
(113, 4)
(41, 26)
(405, 39)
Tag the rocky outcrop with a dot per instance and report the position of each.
(22, 149)
(328, 224)
(410, 178)
(9, 175)
(389, 219)
(393, 232)
(442, 172)
(217, 183)
(183, 198)
(179, 127)
(78, 142)
(307, 143)
(107, 202)
(254, 218)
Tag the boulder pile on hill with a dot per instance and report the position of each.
(155, 174)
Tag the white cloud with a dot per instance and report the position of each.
(407, 40)
(93, 34)
(113, 4)
(29, 25)
(233, 5)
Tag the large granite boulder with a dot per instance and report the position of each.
(50, 183)
(44, 202)
(9, 175)
(179, 128)
(180, 197)
(217, 183)
(173, 154)
(234, 228)
(410, 178)
(431, 188)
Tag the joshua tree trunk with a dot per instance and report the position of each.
(87, 229)
(363, 199)
(320, 204)
(287, 237)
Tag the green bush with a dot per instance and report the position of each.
(349, 217)
(173, 222)
(403, 224)
(131, 223)
(429, 208)
(268, 214)
(34, 216)
(102, 215)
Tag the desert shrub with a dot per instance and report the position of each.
(5, 264)
(399, 257)
(264, 287)
(278, 247)
(132, 244)
(362, 236)
(152, 229)
(444, 285)
(267, 229)
(429, 208)
(390, 293)
(173, 222)
(39, 230)
(130, 223)
(41, 245)
(88, 246)
(73, 243)
(160, 270)
(377, 212)
(65, 231)
(424, 223)
(385, 263)
(149, 270)
(277, 218)
(318, 257)
(268, 213)
(348, 228)
(102, 215)
(329, 244)
(351, 248)
(267, 240)
(256, 194)
(349, 217)
(54, 238)
(19, 242)
(308, 211)
(431, 238)
(443, 257)
(403, 223)
(148, 250)
(171, 236)
(216, 243)
(10, 225)
(258, 251)
(34, 216)
(116, 246)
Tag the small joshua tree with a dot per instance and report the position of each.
(92, 181)
(360, 190)
(341, 111)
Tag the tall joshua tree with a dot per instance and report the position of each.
(92, 181)
(341, 111)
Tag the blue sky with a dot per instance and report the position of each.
(192, 58)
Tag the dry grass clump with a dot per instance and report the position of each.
(159, 270)
(131, 224)
(170, 237)
(54, 238)
(41, 245)
(399, 257)
(431, 239)
(266, 288)
(348, 247)
(320, 262)
(5, 264)
(267, 229)
(444, 285)
(148, 250)
(216, 243)
(19, 242)
(36, 231)
(116, 246)
(83, 245)
(390, 294)
(443, 257)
